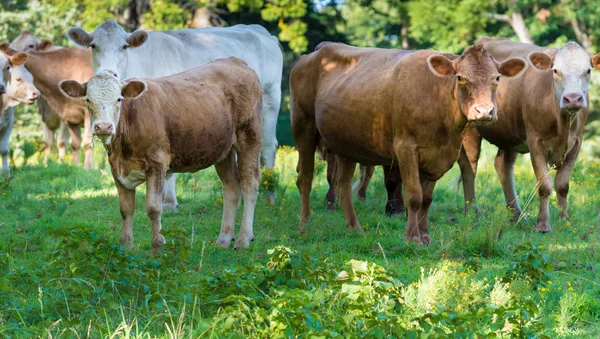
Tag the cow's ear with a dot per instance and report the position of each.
(18, 59)
(540, 61)
(72, 88)
(79, 36)
(512, 67)
(4, 47)
(596, 61)
(440, 65)
(137, 38)
(45, 44)
(134, 89)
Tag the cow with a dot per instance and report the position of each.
(208, 115)
(161, 53)
(542, 113)
(16, 86)
(384, 106)
(48, 69)
(27, 42)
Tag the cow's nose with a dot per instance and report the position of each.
(573, 100)
(35, 94)
(103, 128)
(2, 89)
(485, 112)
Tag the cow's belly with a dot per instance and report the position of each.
(132, 179)
(436, 161)
(193, 157)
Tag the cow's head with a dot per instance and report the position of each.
(476, 76)
(17, 82)
(571, 68)
(103, 94)
(110, 45)
(27, 42)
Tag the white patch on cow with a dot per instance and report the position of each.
(20, 88)
(133, 179)
(571, 72)
(102, 98)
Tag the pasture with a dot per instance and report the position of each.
(63, 273)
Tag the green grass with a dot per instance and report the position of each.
(62, 273)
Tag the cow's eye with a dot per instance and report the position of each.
(119, 100)
(124, 47)
(589, 71)
(19, 79)
(31, 46)
(459, 78)
(498, 78)
(555, 71)
(92, 46)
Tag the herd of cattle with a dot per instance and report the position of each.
(165, 102)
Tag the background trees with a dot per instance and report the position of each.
(450, 25)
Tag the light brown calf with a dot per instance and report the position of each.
(208, 115)
(542, 112)
(377, 106)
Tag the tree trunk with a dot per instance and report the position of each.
(133, 14)
(404, 35)
(518, 25)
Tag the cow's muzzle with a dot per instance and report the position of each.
(483, 114)
(103, 130)
(572, 103)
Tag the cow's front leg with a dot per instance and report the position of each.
(505, 165)
(75, 134)
(467, 161)
(88, 160)
(344, 192)
(49, 142)
(127, 207)
(544, 182)
(409, 172)
(226, 170)
(249, 174)
(154, 205)
(331, 179)
(366, 173)
(563, 176)
(62, 139)
(393, 187)
(427, 189)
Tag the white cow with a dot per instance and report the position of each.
(161, 53)
(16, 86)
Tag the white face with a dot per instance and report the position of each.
(572, 71)
(5, 75)
(20, 86)
(25, 43)
(103, 99)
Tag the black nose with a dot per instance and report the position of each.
(573, 100)
(2, 89)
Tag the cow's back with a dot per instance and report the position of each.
(503, 49)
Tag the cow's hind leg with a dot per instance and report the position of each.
(88, 160)
(226, 169)
(75, 133)
(305, 135)
(563, 176)
(62, 139)
(49, 142)
(331, 178)
(393, 187)
(343, 188)
(169, 193)
(154, 205)
(505, 164)
(271, 100)
(366, 173)
(467, 161)
(423, 215)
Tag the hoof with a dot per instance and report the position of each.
(242, 243)
(565, 216)
(391, 211)
(361, 197)
(426, 239)
(357, 229)
(543, 227)
(516, 217)
(224, 240)
(157, 243)
(126, 242)
(170, 206)
(330, 206)
(414, 240)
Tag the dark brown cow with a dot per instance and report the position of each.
(377, 106)
(544, 113)
(208, 115)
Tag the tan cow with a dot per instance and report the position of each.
(185, 122)
(27, 42)
(543, 113)
(377, 106)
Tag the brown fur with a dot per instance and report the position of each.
(383, 107)
(187, 122)
(528, 112)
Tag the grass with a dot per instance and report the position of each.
(62, 273)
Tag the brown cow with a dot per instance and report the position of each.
(544, 113)
(27, 42)
(377, 106)
(185, 122)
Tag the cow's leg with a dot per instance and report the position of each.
(127, 207)
(88, 160)
(62, 139)
(226, 169)
(467, 161)
(544, 180)
(169, 193)
(249, 174)
(409, 172)
(563, 176)
(393, 187)
(48, 142)
(271, 100)
(427, 189)
(343, 189)
(305, 135)
(505, 165)
(331, 179)
(4, 138)
(366, 173)
(154, 205)
(75, 133)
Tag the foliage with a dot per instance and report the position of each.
(529, 263)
